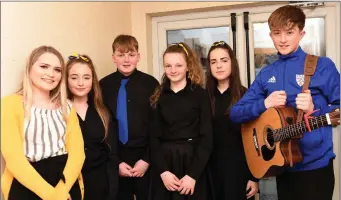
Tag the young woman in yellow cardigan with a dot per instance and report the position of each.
(41, 141)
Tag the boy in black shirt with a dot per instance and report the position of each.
(126, 93)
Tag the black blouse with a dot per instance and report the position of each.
(228, 145)
(97, 151)
(181, 116)
(227, 136)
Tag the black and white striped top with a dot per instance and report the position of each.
(45, 133)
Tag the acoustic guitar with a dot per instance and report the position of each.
(271, 141)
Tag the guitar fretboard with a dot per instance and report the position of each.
(299, 128)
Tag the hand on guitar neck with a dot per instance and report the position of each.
(276, 99)
(304, 102)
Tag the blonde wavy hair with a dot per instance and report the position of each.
(194, 74)
(57, 95)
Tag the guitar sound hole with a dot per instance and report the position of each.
(268, 150)
(270, 137)
(267, 153)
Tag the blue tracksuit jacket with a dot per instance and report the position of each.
(287, 74)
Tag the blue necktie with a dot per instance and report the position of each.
(121, 112)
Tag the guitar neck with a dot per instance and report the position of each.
(298, 129)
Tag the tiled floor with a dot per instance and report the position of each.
(267, 187)
(268, 197)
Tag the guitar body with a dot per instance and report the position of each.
(264, 156)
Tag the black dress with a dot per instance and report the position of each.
(181, 141)
(227, 164)
(100, 169)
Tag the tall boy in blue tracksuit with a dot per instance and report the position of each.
(280, 84)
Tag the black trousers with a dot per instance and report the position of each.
(130, 186)
(51, 169)
(315, 184)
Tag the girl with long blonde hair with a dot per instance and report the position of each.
(41, 141)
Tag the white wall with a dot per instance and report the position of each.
(82, 27)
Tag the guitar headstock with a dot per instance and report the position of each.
(335, 117)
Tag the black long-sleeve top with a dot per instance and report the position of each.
(97, 151)
(228, 147)
(140, 88)
(181, 116)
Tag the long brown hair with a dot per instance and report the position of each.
(237, 89)
(194, 74)
(95, 95)
(57, 95)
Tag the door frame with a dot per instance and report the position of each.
(158, 21)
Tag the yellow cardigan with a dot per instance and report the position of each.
(17, 165)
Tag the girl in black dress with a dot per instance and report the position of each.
(181, 135)
(100, 170)
(231, 177)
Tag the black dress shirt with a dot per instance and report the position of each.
(181, 116)
(139, 88)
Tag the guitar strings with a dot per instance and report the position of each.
(289, 131)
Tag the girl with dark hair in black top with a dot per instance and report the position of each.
(231, 177)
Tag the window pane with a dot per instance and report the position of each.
(200, 39)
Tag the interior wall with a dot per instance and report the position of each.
(81, 27)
